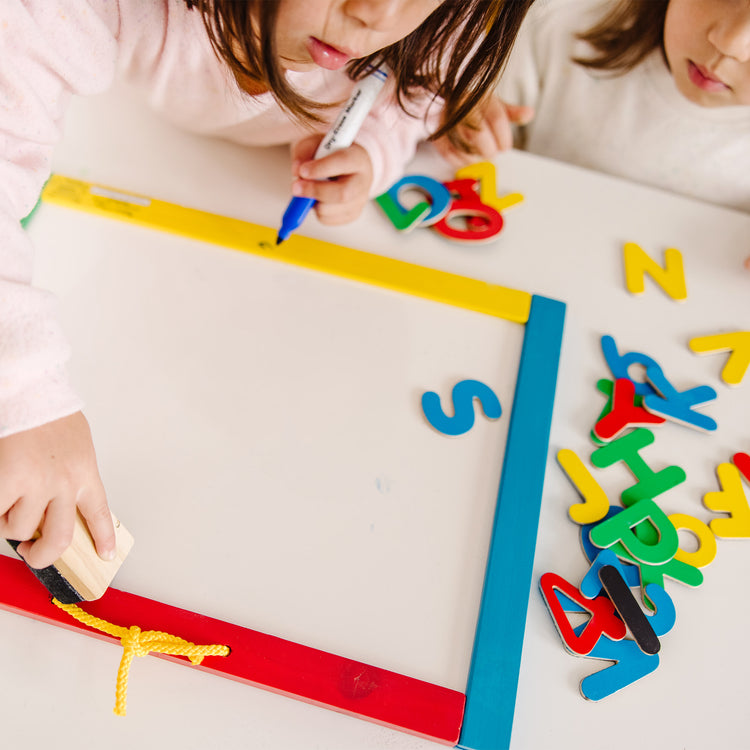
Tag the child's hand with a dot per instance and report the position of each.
(45, 474)
(340, 181)
(493, 132)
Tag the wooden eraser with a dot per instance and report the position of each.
(79, 574)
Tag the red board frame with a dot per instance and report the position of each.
(258, 659)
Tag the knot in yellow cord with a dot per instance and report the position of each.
(131, 641)
(137, 642)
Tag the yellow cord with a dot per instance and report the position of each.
(137, 642)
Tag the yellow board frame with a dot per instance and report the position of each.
(317, 255)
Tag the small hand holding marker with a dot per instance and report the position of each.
(340, 136)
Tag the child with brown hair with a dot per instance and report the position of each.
(256, 71)
(656, 91)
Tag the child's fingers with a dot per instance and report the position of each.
(22, 519)
(338, 201)
(304, 150)
(496, 130)
(45, 472)
(339, 182)
(338, 213)
(93, 506)
(56, 535)
(348, 161)
(9, 496)
(342, 190)
(55, 524)
(519, 114)
(500, 118)
(451, 154)
(502, 134)
(490, 139)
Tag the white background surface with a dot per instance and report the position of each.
(259, 432)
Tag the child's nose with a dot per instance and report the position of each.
(377, 15)
(732, 37)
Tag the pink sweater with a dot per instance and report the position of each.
(52, 49)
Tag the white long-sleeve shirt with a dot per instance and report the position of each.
(53, 49)
(636, 125)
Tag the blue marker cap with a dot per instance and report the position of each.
(294, 215)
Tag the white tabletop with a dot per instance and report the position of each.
(259, 432)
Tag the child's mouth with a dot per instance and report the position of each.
(326, 56)
(703, 79)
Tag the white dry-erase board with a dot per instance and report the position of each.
(170, 326)
(261, 428)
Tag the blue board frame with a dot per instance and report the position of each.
(498, 641)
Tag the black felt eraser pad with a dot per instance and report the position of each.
(51, 578)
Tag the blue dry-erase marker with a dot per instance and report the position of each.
(341, 135)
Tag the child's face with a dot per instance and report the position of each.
(330, 33)
(707, 43)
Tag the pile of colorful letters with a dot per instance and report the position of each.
(466, 209)
(636, 544)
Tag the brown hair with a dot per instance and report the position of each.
(625, 35)
(457, 53)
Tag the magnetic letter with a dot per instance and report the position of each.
(630, 665)
(619, 365)
(677, 406)
(636, 572)
(742, 462)
(591, 586)
(706, 540)
(671, 278)
(650, 483)
(603, 620)
(730, 499)
(484, 173)
(620, 528)
(595, 503)
(623, 412)
(468, 204)
(463, 396)
(425, 212)
(738, 345)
